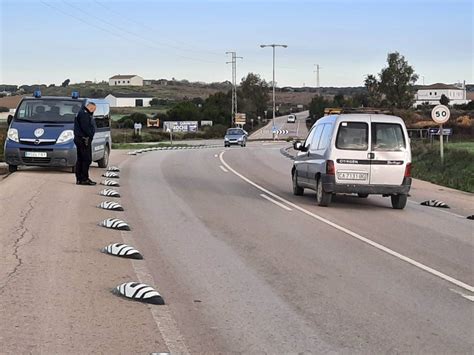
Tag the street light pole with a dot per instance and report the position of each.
(274, 105)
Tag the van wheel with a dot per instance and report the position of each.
(105, 160)
(323, 198)
(297, 190)
(399, 201)
(12, 168)
(363, 195)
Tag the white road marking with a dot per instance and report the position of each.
(437, 209)
(353, 234)
(223, 169)
(276, 202)
(470, 298)
(162, 315)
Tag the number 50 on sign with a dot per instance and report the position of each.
(440, 114)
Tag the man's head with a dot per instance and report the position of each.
(91, 107)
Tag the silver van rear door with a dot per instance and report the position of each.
(389, 153)
(351, 153)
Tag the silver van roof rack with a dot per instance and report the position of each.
(367, 110)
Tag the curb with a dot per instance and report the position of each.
(3, 169)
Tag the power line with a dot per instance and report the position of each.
(151, 44)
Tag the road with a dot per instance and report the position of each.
(243, 265)
(295, 130)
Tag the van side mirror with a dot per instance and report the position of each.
(9, 119)
(297, 145)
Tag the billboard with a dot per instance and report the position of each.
(206, 123)
(240, 118)
(152, 123)
(180, 126)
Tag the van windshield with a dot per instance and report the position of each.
(47, 110)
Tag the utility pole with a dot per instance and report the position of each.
(317, 76)
(234, 83)
(273, 46)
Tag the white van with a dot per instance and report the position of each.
(291, 119)
(363, 153)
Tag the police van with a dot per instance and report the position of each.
(355, 151)
(41, 132)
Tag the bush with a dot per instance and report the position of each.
(127, 123)
(3, 137)
(4, 109)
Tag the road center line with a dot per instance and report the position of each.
(223, 169)
(351, 233)
(276, 202)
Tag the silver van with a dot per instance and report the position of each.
(362, 153)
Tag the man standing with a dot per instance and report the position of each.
(84, 130)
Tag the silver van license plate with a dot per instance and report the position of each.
(352, 176)
(36, 154)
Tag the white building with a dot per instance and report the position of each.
(129, 100)
(126, 80)
(432, 94)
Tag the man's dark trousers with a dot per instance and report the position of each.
(84, 159)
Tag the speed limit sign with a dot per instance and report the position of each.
(440, 114)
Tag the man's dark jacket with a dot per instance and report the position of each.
(84, 125)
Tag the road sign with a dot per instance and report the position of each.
(435, 131)
(240, 118)
(440, 114)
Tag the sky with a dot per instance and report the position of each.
(48, 41)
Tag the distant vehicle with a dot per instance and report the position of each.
(363, 153)
(235, 136)
(291, 119)
(41, 133)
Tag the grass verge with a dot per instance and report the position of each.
(457, 171)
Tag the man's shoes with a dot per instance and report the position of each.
(87, 182)
(78, 182)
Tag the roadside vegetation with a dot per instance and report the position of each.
(3, 136)
(457, 171)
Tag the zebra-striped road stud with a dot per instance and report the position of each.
(111, 175)
(139, 292)
(109, 193)
(108, 182)
(115, 223)
(434, 203)
(470, 217)
(132, 153)
(110, 205)
(114, 169)
(122, 250)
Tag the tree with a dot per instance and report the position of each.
(444, 100)
(65, 83)
(338, 100)
(316, 108)
(253, 96)
(396, 83)
(373, 89)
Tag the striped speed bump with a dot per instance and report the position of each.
(108, 182)
(109, 193)
(435, 203)
(111, 175)
(122, 250)
(115, 223)
(110, 205)
(139, 292)
(132, 153)
(115, 169)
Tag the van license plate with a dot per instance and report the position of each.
(352, 176)
(36, 154)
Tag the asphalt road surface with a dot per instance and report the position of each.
(244, 266)
(295, 130)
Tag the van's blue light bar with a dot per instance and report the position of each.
(37, 93)
(75, 94)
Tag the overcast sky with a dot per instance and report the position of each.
(47, 41)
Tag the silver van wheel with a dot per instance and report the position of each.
(297, 190)
(323, 198)
(399, 201)
(105, 159)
